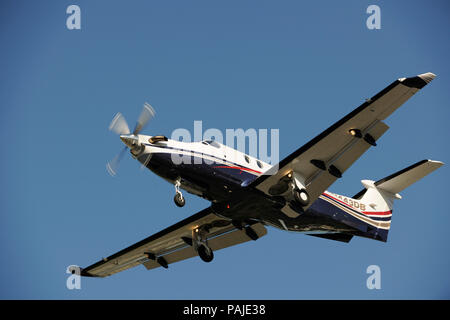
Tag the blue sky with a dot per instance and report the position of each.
(290, 65)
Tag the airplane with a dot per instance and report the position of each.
(247, 195)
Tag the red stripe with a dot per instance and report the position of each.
(238, 168)
(378, 213)
(375, 213)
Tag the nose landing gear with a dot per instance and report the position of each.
(178, 199)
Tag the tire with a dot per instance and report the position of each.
(179, 200)
(205, 254)
(301, 196)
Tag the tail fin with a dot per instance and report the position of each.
(378, 197)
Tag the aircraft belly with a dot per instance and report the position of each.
(212, 182)
(218, 183)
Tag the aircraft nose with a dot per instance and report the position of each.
(130, 140)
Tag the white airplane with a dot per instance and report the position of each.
(247, 194)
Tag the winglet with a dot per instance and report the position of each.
(419, 81)
(427, 77)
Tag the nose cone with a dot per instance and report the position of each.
(130, 140)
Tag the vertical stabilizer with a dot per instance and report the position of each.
(378, 197)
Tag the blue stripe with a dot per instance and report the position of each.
(231, 175)
(200, 155)
(359, 213)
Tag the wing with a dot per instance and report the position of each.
(323, 159)
(174, 244)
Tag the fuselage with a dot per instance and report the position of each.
(197, 161)
(216, 172)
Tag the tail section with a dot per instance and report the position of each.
(378, 197)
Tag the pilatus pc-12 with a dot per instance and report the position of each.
(247, 195)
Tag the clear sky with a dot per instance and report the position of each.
(288, 65)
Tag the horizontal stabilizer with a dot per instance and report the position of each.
(404, 178)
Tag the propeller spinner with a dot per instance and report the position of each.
(119, 126)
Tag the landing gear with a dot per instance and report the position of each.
(178, 199)
(199, 242)
(301, 196)
(205, 253)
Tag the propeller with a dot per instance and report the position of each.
(113, 165)
(120, 126)
(147, 113)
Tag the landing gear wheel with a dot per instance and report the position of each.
(179, 200)
(205, 254)
(301, 196)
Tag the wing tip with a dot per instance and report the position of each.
(427, 77)
(418, 81)
(436, 162)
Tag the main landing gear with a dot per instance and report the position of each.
(199, 242)
(301, 196)
(205, 253)
(178, 199)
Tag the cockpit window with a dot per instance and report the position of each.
(156, 139)
(215, 144)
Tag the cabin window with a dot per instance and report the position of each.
(259, 164)
(212, 143)
(247, 158)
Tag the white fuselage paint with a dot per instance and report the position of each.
(219, 155)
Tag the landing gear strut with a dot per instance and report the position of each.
(200, 243)
(178, 199)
